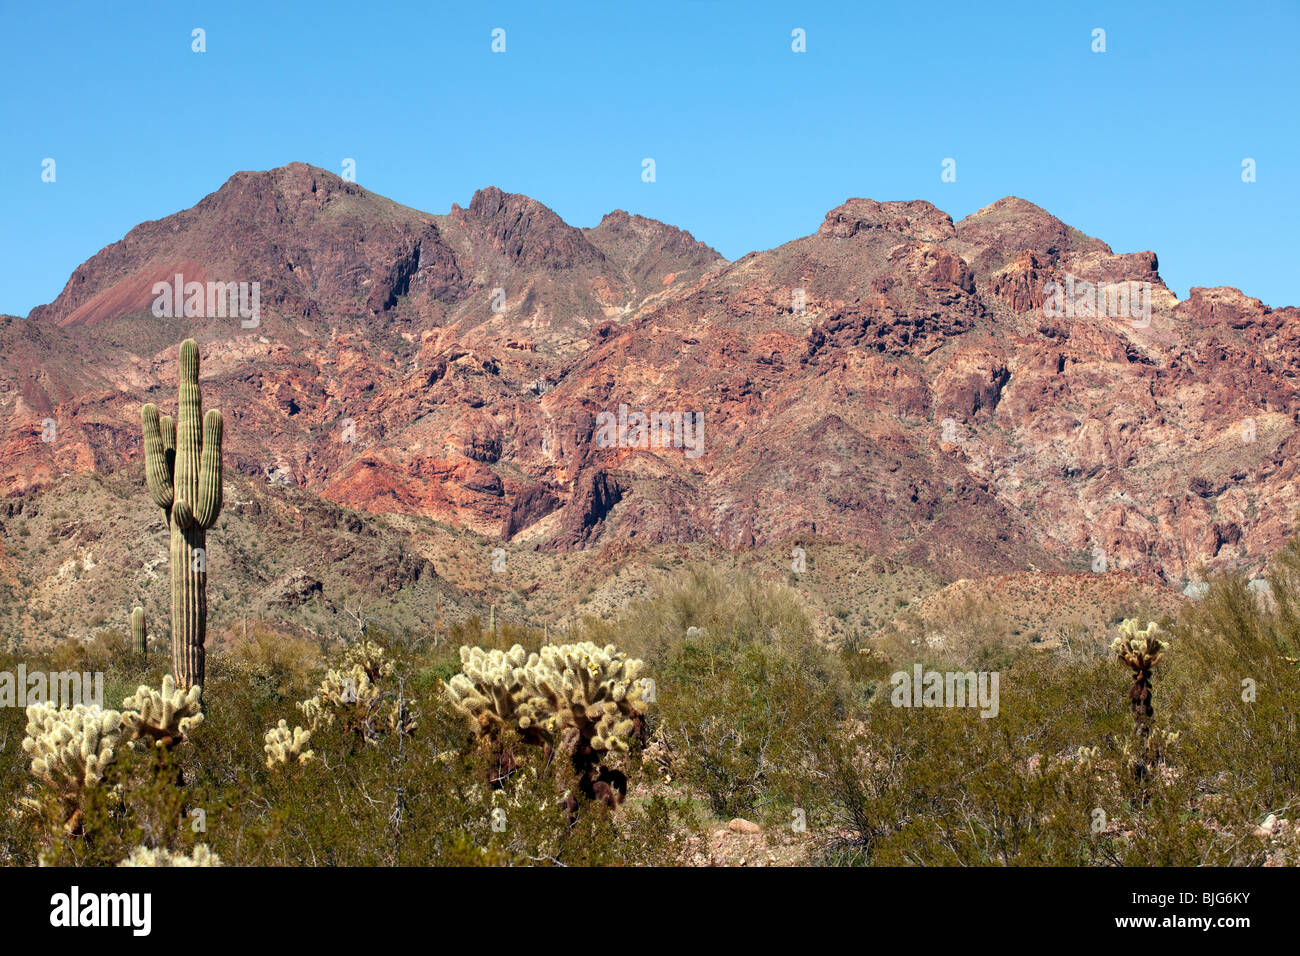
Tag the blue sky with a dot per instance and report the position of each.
(1140, 146)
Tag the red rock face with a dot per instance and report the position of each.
(525, 232)
(916, 219)
(894, 379)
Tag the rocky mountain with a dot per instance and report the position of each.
(950, 395)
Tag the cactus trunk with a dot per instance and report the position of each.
(183, 468)
(139, 634)
(189, 603)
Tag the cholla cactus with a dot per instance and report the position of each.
(343, 694)
(400, 719)
(71, 749)
(145, 856)
(568, 694)
(1087, 758)
(163, 719)
(581, 699)
(353, 695)
(659, 754)
(491, 688)
(1139, 647)
(1141, 650)
(368, 656)
(284, 745)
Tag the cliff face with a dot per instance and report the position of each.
(951, 394)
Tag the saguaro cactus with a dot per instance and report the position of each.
(139, 634)
(183, 470)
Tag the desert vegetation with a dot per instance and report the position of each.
(636, 738)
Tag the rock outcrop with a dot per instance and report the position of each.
(895, 379)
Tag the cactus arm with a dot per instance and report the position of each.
(168, 427)
(183, 515)
(208, 506)
(157, 467)
(189, 426)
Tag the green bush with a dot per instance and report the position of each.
(752, 715)
(738, 673)
(943, 786)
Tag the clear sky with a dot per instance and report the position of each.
(1141, 146)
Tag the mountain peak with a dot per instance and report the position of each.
(1013, 224)
(1011, 206)
(291, 179)
(651, 244)
(525, 231)
(617, 219)
(913, 218)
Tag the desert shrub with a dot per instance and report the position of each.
(969, 631)
(403, 799)
(1232, 688)
(103, 651)
(108, 653)
(1051, 779)
(752, 716)
(472, 632)
(283, 663)
(734, 607)
(737, 670)
(404, 802)
(945, 786)
(18, 841)
(729, 712)
(104, 781)
(137, 804)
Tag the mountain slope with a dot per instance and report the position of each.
(895, 379)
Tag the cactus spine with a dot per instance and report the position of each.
(139, 633)
(183, 470)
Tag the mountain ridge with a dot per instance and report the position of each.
(894, 377)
